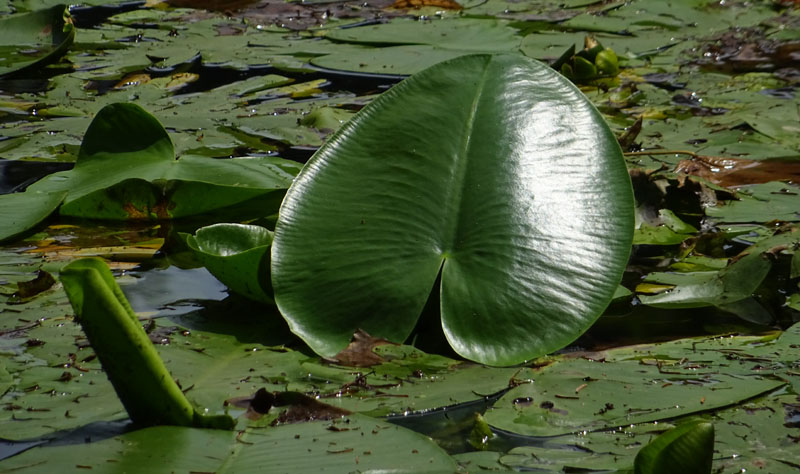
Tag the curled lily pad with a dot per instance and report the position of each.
(238, 255)
(34, 39)
(493, 170)
(127, 170)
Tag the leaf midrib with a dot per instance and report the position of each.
(459, 172)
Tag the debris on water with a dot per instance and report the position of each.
(734, 172)
(749, 49)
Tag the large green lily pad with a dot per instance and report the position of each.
(502, 176)
(406, 46)
(641, 384)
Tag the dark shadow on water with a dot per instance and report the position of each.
(247, 321)
(97, 431)
(449, 426)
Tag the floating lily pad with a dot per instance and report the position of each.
(760, 203)
(634, 385)
(126, 170)
(34, 39)
(479, 186)
(416, 45)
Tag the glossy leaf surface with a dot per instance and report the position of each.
(501, 175)
(35, 38)
(238, 255)
(688, 448)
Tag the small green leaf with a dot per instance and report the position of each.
(607, 62)
(238, 255)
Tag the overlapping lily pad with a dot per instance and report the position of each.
(127, 170)
(433, 42)
(34, 39)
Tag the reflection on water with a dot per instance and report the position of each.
(170, 291)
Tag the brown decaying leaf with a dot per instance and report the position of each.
(446, 4)
(304, 408)
(733, 172)
(28, 289)
(627, 140)
(359, 353)
(300, 407)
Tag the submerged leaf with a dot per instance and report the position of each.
(127, 170)
(501, 176)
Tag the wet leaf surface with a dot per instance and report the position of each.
(527, 296)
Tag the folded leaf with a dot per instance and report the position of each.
(133, 366)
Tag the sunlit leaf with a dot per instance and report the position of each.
(487, 181)
(143, 384)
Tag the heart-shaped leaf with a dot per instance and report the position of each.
(492, 169)
(34, 39)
